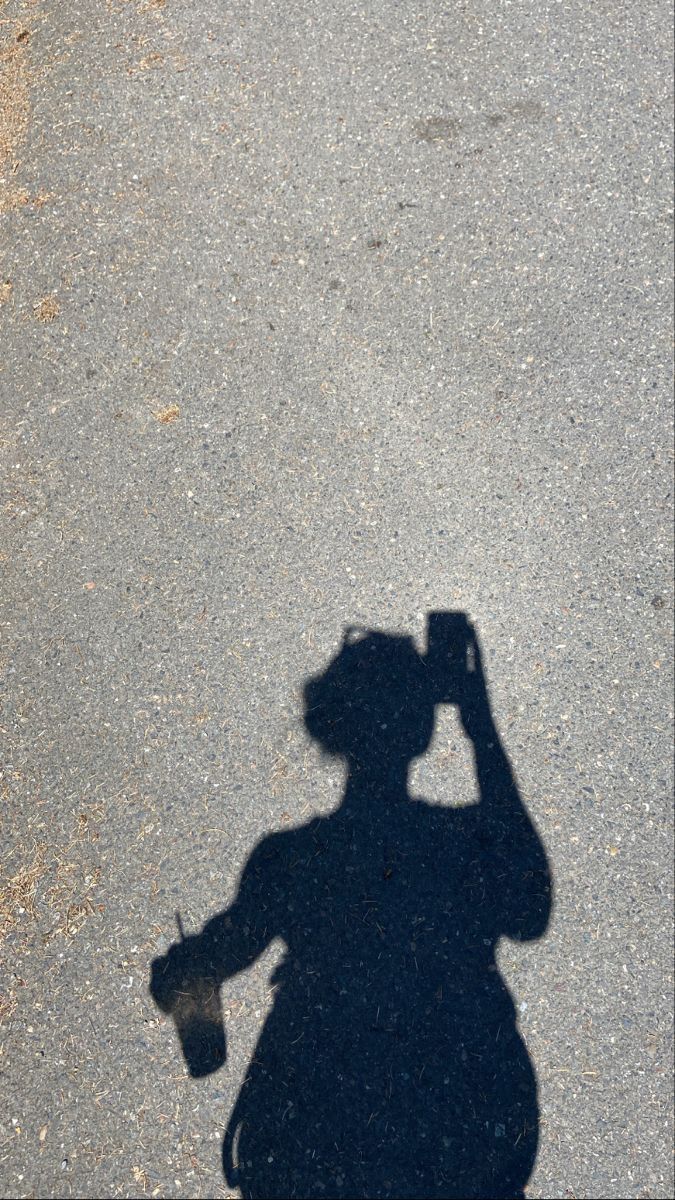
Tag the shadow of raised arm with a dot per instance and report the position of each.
(518, 865)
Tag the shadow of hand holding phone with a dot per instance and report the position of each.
(391, 1064)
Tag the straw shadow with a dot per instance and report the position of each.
(391, 1064)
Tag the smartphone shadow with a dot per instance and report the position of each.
(391, 1064)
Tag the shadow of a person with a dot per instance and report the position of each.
(391, 1064)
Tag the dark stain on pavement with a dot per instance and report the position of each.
(437, 129)
(522, 110)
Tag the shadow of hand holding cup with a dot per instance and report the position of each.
(183, 987)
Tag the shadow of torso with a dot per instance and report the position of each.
(390, 1064)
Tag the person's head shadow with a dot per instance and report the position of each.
(391, 1064)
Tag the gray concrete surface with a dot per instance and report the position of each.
(404, 272)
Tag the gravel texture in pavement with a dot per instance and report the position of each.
(323, 315)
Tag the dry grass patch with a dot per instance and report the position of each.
(14, 109)
(166, 415)
(46, 309)
(17, 894)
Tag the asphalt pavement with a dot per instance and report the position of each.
(318, 316)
